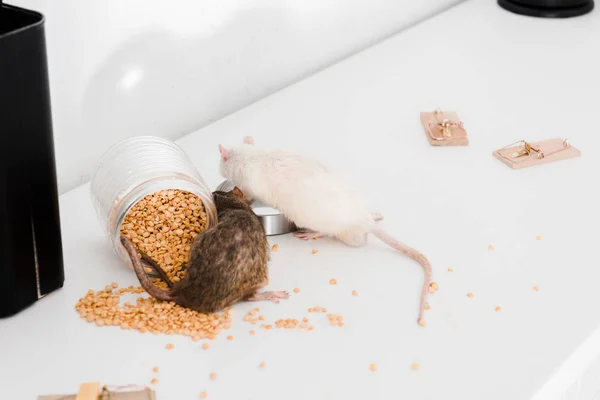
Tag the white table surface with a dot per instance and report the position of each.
(509, 78)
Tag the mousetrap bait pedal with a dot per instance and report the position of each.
(444, 128)
(91, 391)
(523, 154)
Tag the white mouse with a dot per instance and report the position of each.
(311, 196)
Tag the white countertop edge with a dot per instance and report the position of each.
(571, 370)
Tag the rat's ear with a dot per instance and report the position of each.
(224, 153)
(237, 192)
(248, 140)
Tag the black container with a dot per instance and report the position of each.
(548, 8)
(31, 261)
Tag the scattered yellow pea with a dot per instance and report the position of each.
(373, 367)
(433, 287)
(333, 281)
(275, 248)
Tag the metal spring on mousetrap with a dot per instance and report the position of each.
(529, 149)
(446, 125)
(108, 391)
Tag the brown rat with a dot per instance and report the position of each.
(227, 263)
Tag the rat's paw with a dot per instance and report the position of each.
(377, 216)
(302, 234)
(282, 294)
(307, 235)
(270, 296)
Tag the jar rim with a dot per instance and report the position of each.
(120, 211)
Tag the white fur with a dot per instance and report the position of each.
(311, 196)
(303, 189)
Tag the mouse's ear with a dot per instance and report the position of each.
(237, 192)
(248, 140)
(224, 153)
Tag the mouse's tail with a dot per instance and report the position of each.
(415, 255)
(145, 281)
(149, 262)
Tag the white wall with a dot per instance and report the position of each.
(124, 68)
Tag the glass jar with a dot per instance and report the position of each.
(136, 167)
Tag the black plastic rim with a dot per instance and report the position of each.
(547, 12)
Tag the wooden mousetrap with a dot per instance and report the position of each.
(523, 154)
(444, 128)
(91, 391)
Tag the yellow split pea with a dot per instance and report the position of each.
(163, 226)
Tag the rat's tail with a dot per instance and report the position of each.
(145, 281)
(157, 269)
(415, 255)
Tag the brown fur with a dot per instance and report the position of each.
(227, 264)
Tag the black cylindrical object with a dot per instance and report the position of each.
(31, 258)
(548, 8)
